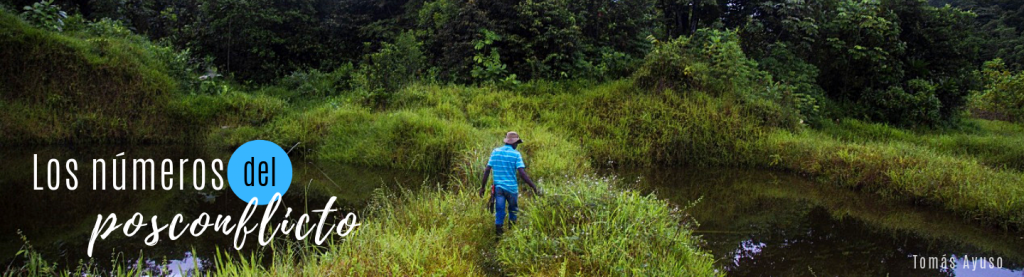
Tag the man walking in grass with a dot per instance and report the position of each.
(506, 162)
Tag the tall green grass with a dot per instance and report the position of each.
(583, 226)
(588, 227)
(997, 144)
(904, 172)
(430, 127)
(74, 87)
(428, 232)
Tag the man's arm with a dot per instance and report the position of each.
(522, 172)
(483, 185)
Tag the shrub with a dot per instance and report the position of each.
(796, 77)
(316, 84)
(488, 67)
(44, 14)
(917, 104)
(710, 61)
(389, 69)
(1004, 91)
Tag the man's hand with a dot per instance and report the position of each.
(483, 184)
(526, 177)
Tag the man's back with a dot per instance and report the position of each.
(505, 161)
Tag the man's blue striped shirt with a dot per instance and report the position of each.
(504, 163)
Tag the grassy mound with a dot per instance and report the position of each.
(582, 227)
(997, 144)
(905, 172)
(586, 227)
(77, 87)
(429, 232)
(432, 127)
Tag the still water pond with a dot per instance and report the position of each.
(755, 223)
(759, 223)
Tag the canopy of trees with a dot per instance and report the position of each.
(907, 62)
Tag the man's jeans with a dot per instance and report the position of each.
(500, 198)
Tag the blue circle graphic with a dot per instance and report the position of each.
(259, 169)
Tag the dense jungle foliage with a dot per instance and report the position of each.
(903, 62)
(913, 101)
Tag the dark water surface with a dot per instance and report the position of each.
(59, 223)
(755, 223)
(759, 223)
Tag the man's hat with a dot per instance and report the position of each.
(512, 138)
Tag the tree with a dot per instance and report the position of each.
(896, 61)
(999, 29)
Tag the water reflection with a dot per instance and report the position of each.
(761, 223)
(186, 266)
(59, 223)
